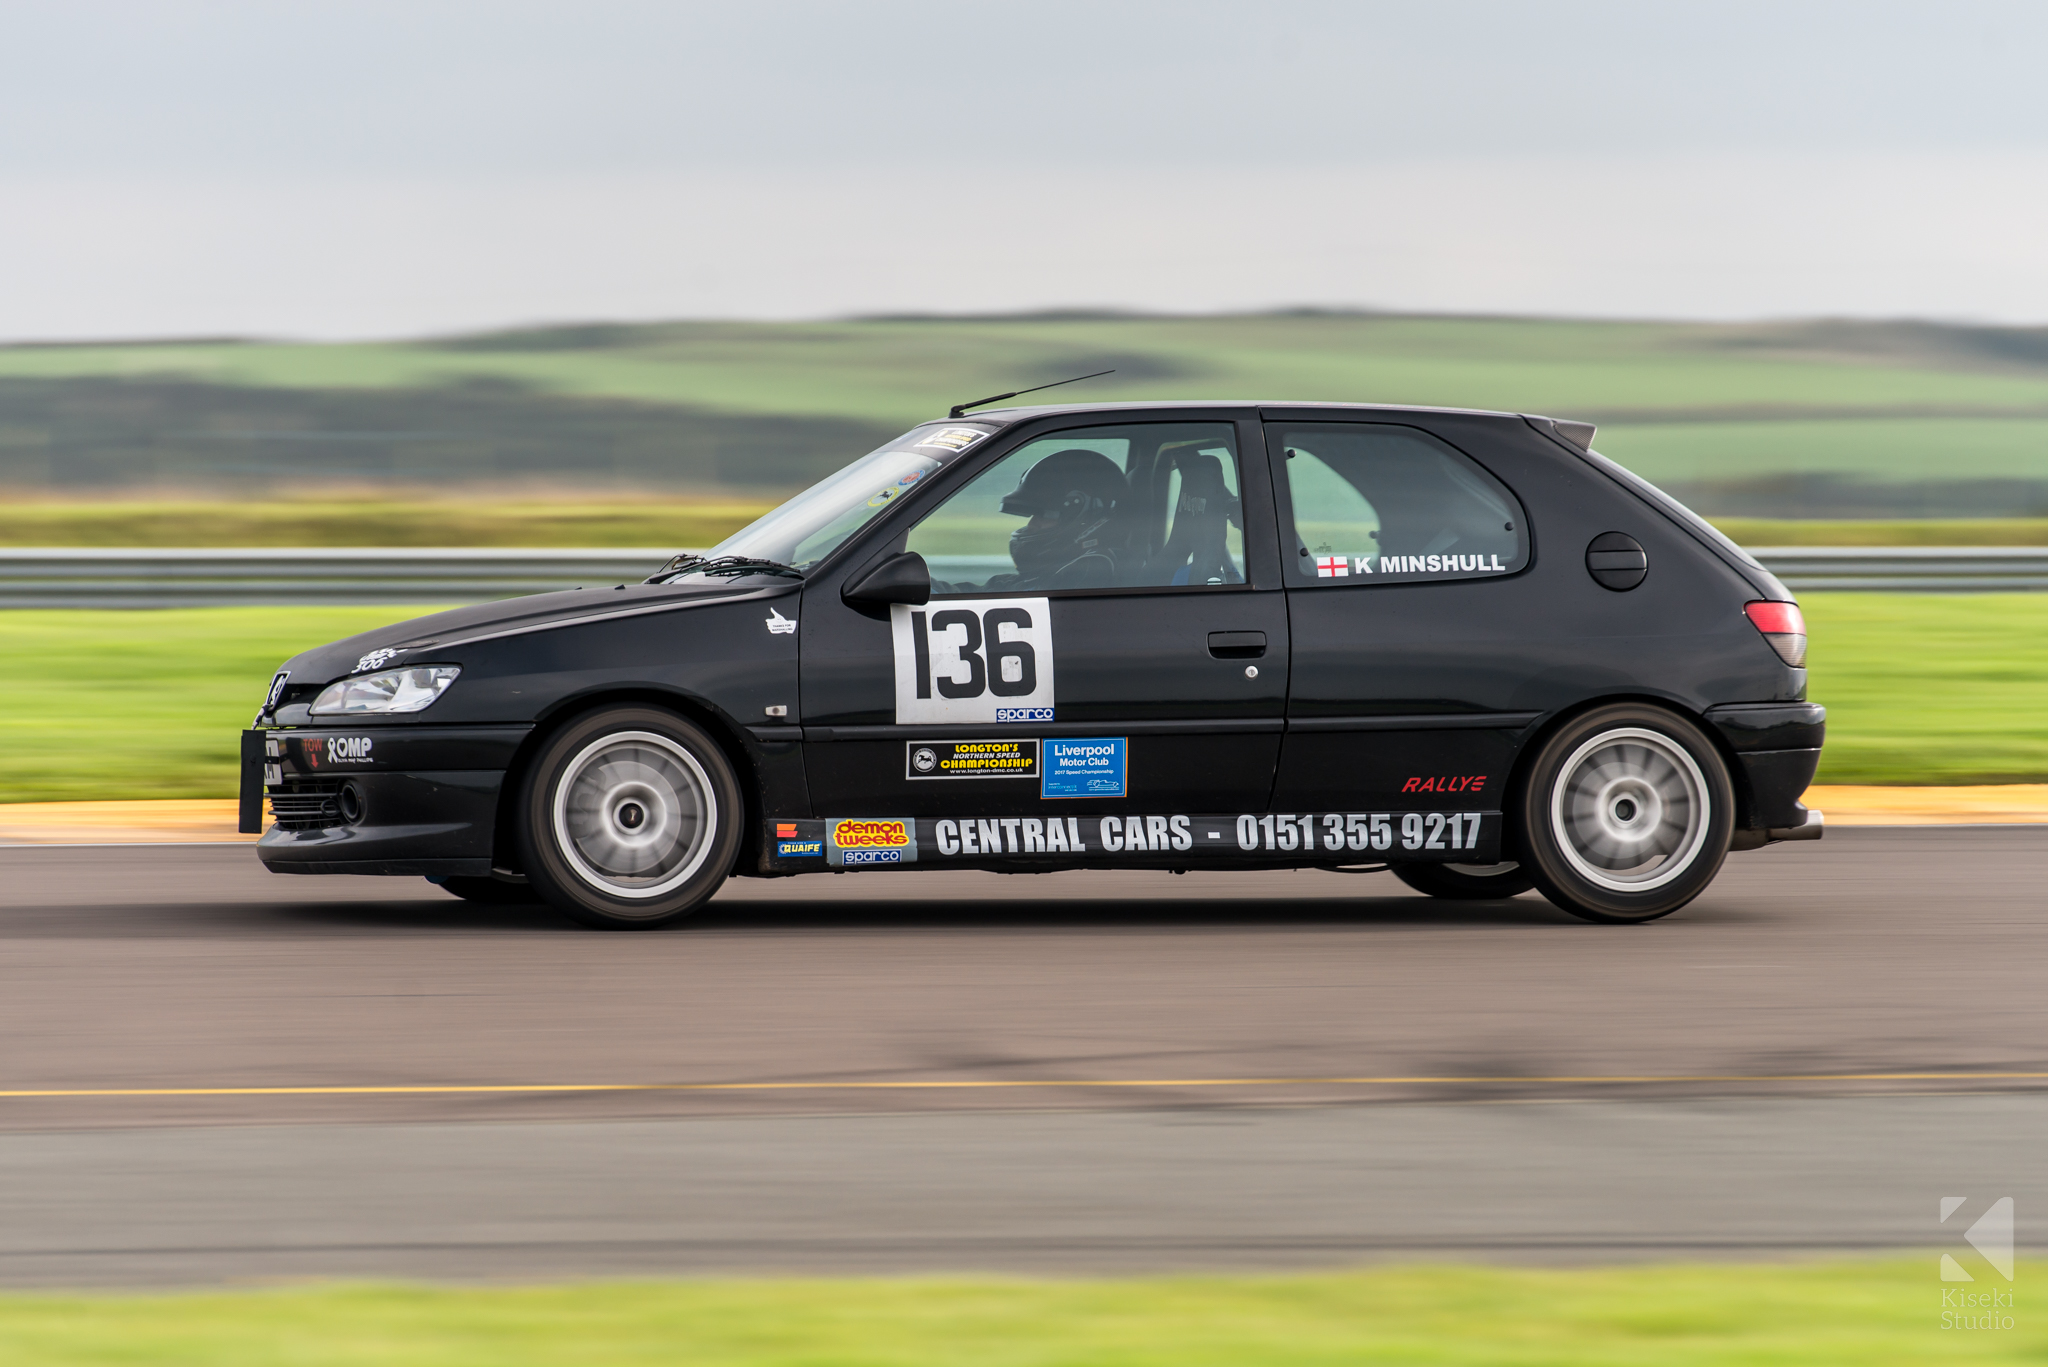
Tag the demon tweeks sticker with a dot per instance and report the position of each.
(973, 660)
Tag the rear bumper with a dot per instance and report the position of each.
(1777, 748)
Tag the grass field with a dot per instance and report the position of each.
(1920, 688)
(1874, 1314)
(904, 370)
(339, 521)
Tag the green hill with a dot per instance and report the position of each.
(1815, 419)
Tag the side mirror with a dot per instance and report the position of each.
(902, 578)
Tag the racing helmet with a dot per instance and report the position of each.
(1070, 497)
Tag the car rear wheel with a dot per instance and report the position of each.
(1626, 814)
(1466, 882)
(629, 818)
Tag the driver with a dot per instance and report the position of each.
(1073, 499)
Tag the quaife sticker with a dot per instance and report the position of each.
(970, 759)
(855, 841)
(973, 660)
(1084, 768)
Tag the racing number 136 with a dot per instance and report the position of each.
(1360, 831)
(973, 660)
(1010, 669)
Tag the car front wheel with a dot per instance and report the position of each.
(629, 818)
(1626, 814)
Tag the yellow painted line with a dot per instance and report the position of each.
(142, 822)
(1978, 804)
(962, 1084)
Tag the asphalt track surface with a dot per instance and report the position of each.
(210, 1073)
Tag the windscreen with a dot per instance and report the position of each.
(803, 531)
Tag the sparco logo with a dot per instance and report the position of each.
(348, 750)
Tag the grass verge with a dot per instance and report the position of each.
(1920, 688)
(144, 704)
(1929, 687)
(1871, 1313)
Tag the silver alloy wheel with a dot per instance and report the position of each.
(1630, 809)
(634, 814)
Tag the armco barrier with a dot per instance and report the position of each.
(1909, 569)
(87, 578)
(90, 578)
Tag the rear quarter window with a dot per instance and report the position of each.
(1372, 503)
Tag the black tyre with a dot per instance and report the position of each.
(629, 818)
(492, 892)
(1625, 814)
(1466, 882)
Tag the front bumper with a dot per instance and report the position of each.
(377, 799)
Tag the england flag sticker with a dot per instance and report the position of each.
(1332, 566)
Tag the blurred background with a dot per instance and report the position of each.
(621, 276)
(583, 284)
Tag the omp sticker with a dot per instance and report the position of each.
(1084, 768)
(973, 660)
(970, 759)
(952, 438)
(853, 841)
(349, 749)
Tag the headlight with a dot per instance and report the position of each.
(395, 690)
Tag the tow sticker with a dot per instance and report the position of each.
(973, 660)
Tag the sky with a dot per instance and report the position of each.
(368, 169)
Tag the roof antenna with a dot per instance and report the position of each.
(960, 409)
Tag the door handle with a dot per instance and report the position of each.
(1237, 645)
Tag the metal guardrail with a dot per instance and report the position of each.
(90, 578)
(1909, 569)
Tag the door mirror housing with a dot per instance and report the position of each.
(902, 578)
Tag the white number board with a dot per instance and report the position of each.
(973, 660)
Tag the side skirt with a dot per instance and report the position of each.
(1142, 840)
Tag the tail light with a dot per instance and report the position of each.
(1783, 627)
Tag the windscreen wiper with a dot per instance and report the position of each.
(724, 566)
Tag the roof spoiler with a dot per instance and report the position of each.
(1579, 434)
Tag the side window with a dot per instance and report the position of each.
(1374, 502)
(1151, 505)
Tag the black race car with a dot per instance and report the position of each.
(1460, 645)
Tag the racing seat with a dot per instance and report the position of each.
(1196, 550)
